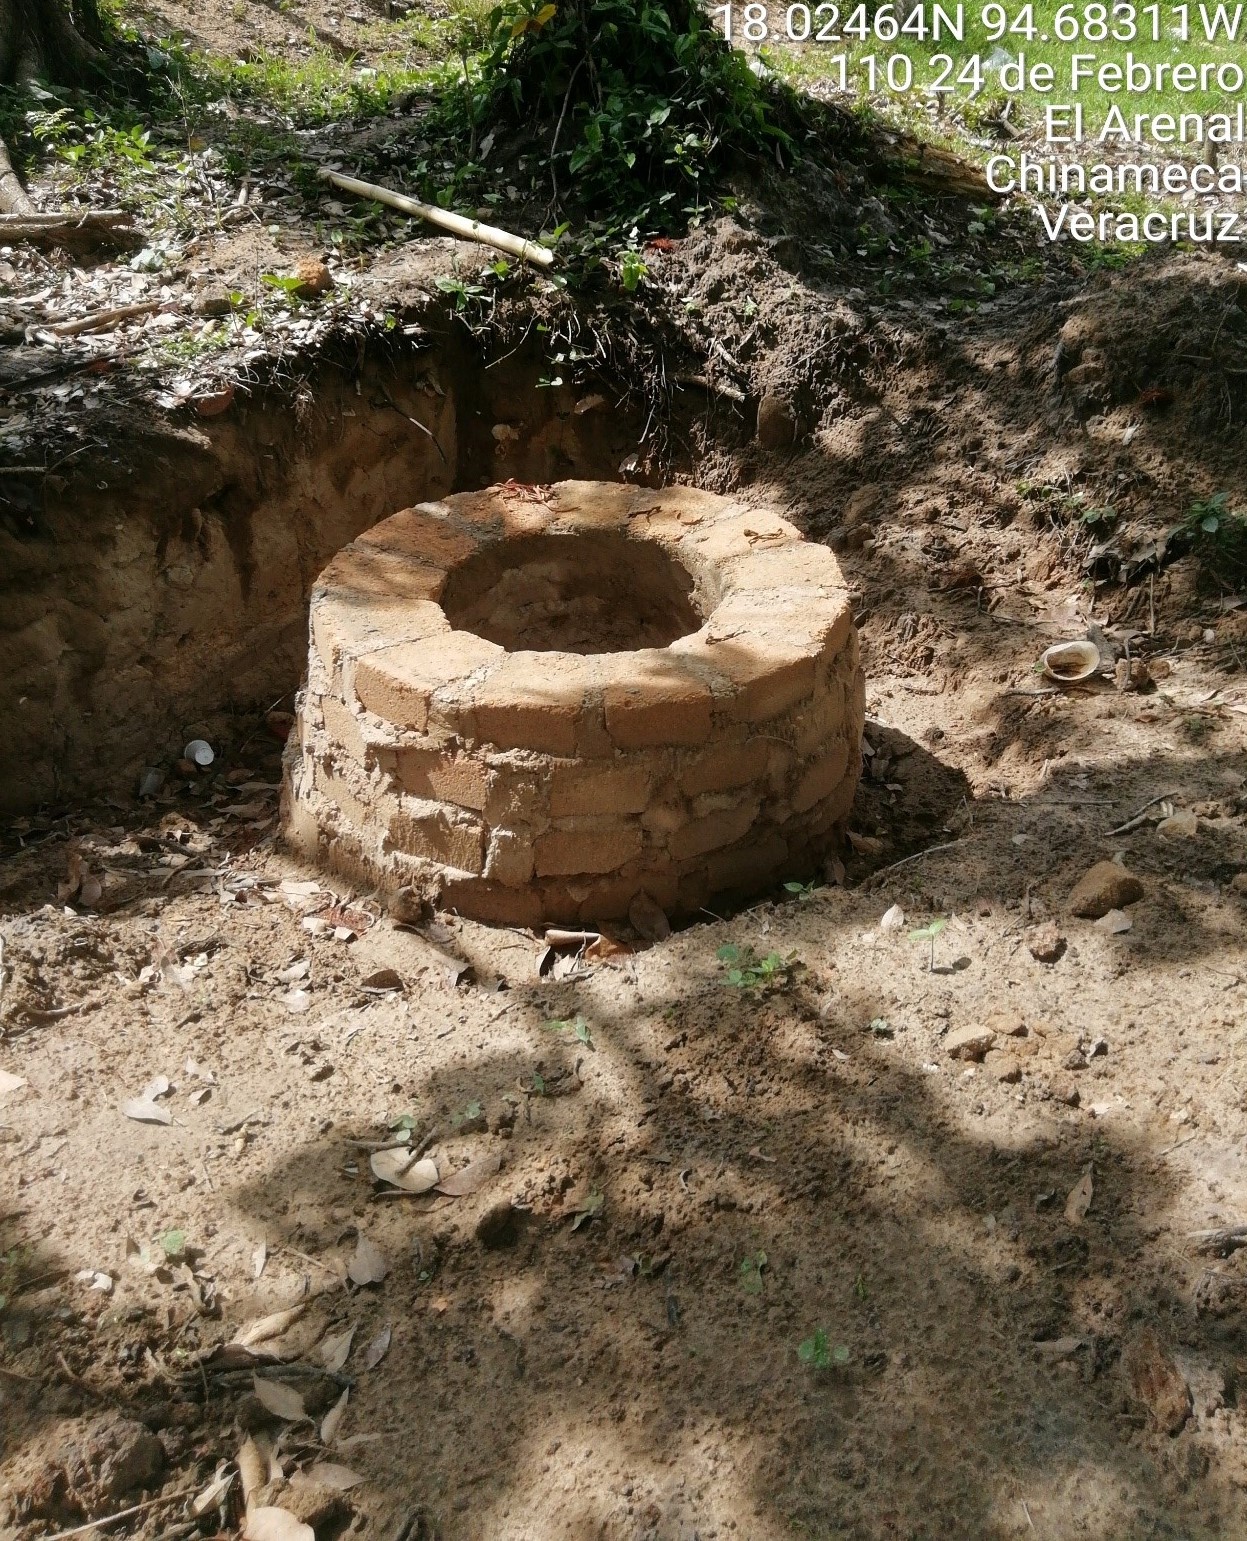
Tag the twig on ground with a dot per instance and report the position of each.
(122, 1514)
(905, 860)
(455, 224)
(1136, 819)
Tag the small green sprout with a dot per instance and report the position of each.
(819, 1353)
(928, 933)
(750, 1273)
(746, 971)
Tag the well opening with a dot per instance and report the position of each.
(588, 592)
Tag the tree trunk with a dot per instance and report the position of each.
(38, 40)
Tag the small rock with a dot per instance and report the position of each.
(1104, 887)
(126, 1456)
(498, 1227)
(1238, 883)
(1131, 674)
(1006, 1024)
(1098, 1047)
(648, 919)
(314, 278)
(1069, 1095)
(213, 300)
(1114, 923)
(1045, 943)
(777, 423)
(1075, 1060)
(1178, 826)
(1002, 1067)
(1156, 1381)
(969, 1042)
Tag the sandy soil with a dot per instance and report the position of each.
(639, 1374)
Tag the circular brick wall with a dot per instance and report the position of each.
(531, 704)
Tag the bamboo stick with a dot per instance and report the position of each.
(456, 224)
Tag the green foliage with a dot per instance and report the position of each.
(928, 933)
(632, 271)
(637, 136)
(750, 1273)
(801, 891)
(577, 1026)
(1217, 532)
(747, 971)
(819, 1353)
(466, 1115)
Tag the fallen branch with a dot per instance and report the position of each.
(456, 224)
(122, 1514)
(929, 850)
(1136, 819)
(102, 319)
(13, 197)
(1221, 1242)
(72, 228)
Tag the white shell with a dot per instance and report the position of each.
(1070, 662)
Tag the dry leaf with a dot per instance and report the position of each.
(1156, 1381)
(272, 1524)
(865, 845)
(252, 1465)
(331, 1420)
(11, 1083)
(1115, 922)
(369, 1265)
(258, 1259)
(279, 1399)
(329, 1474)
(471, 1178)
(1079, 1201)
(336, 1349)
(267, 1327)
(892, 920)
(143, 1112)
(212, 1494)
(382, 982)
(377, 1349)
(401, 1167)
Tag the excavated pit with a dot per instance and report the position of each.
(539, 704)
(154, 588)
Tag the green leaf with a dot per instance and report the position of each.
(173, 1243)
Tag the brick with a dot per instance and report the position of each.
(767, 672)
(532, 701)
(835, 808)
(715, 830)
(725, 766)
(592, 505)
(491, 903)
(444, 778)
(439, 833)
(818, 721)
(370, 597)
(519, 794)
(822, 778)
(397, 683)
(722, 540)
(755, 865)
(609, 898)
(660, 704)
(510, 859)
(423, 535)
(664, 818)
(344, 729)
(599, 789)
(587, 848)
(801, 564)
